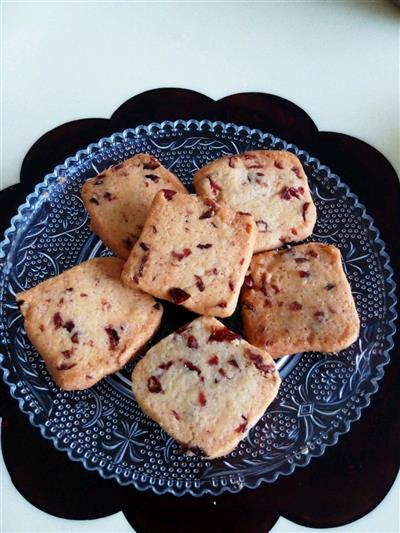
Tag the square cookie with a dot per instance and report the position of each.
(205, 386)
(86, 324)
(271, 185)
(192, 252)
(299, 300)
(119, 198)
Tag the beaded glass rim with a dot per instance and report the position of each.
(18, 222)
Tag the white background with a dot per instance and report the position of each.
(338, 60)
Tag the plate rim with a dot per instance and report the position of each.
(40, 191)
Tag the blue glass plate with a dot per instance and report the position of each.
(103, 427)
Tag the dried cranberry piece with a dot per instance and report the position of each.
(293, 231)
(113, 337)
(117, 167)
(241, 428)
(192, 342)
(75, 338)
(263, 286)
(247, 305)
(94, 200)
(232, 162)
(41, 327)
(329, 286)
(144, 246)
(180, 255)
(300, 259)
(319, 315)
(166, 366)
(57, 320)
(275, 288)
(243, 213)
(178, 295)
(248, 281)
(241, 261)
(202, 399)
(66, 353)
(231, 285)
(190, 366)
(143, 262)
(176, 415)
(262, 226)
(222, 304)
(303, 274)
(151, 165)
(222, 335)
(288, 192)
(69, 326)
(154, 229)
(213, 271)
(233, 362)
(210, 212)
(168, 193)
(297, 171)
(306, 205)
(66, 366)
(258, 361)
(222, 372)
(214, 186)
(204, 246)
(279, 164)
(199, 283)
(267, 302)
(213, 360)
(295, 306)
(108, 196)
(182, 329)
(153, 384)
(70, 289)
(312, 253)
(152, 177)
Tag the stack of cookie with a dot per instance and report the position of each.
(204, 384)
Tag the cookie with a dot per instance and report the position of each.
(86, 324)
(192, 252)
(205, 386)
(271, 185)
(119, 198)
(299, 300)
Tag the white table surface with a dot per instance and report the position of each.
(338, 60)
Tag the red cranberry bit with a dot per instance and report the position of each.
(329, 286)
(231, 285)
(288, 192)
(241, 428)
(178, 295)
(297, 171)
(258, 361)
(275, 288)
(248, 228)
(267, 302)
(176, 415)
(312, 253)
(152, 177)
(70, 289)
(199, 283)
(222, 372)
(75, 338)
(180, 255)
(61, 301)
(263, 286)
(248, 281)
(192, 342)
(94, 200)
(204, 246)
(69, 326)
(243, 213)
(222, 335)
(151, 165)
(319, 315)
(41, 327)
(295, 306)
(306, 205)
(232, 162)
(213, 271)
(202, 399)
(293, 231)
(190, 366)
(66, 366)
(168, 193)
(303, 274)
(214, 186)
(300, 259)
(213, 360)
(117, 167)
(113, 337)
(144, 246)
(241, 261)
(57, 320)
(154, 229)
(222, 304)
(153, 384)
(182, 329)
(166, 366)
(279, 164)
(210, 212)
(108, 196)
(233, 362)
(143, 262)
(247, 305)
(66, 353)
(262, 226)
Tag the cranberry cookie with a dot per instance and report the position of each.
(86, 324)
(299, 300)
(119, 198)
(271, 185)
(205, 386)
(192, 252)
